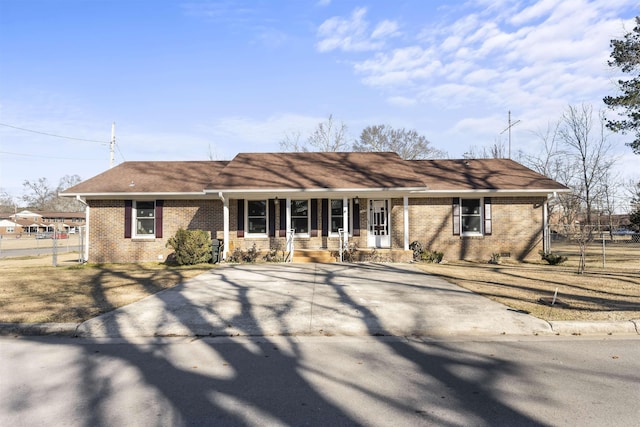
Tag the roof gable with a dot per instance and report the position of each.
(316, 170)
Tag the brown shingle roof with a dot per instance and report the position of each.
(481, 174)
(152, 177)
(315, 170)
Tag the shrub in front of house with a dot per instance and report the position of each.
(553, 259)
(425, 255)
(432, 256)
(275, 254)
(238, 255)
(416, 247)
(191, 246)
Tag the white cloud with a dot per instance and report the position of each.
(353, 34)
(384, 29)
(550, 48)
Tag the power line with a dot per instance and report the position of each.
(53, 135)
(42, 157)
(120, 152)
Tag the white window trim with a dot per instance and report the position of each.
(308, 233)
(246, 219)
(341, 215)
(481, 207)
(134, 220)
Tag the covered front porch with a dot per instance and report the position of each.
(329, 221)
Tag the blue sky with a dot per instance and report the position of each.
(186, 80)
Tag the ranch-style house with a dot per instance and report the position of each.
(468, 209)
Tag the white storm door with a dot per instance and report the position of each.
(379, 236)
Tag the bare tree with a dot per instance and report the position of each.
(588, 152)
(552, 161)
(39, 195)
(609, 196)
(292, 142)
(587, 171)
(497, 150)
(7, 204)
(327, 136)
(634, 208)
(409, 144)
(66, 204)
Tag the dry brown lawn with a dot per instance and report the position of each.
(611, 292)
(33, 291)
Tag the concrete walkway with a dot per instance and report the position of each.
(314, 299)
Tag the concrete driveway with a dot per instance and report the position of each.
(313, 299)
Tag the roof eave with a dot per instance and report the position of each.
(138, 194)
(501, 192)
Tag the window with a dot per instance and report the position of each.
(337, 216)
(144, 217)
(472, 216)
(10, 230)
(300, 216)
(257, 216)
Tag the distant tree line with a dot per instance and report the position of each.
(331, 136)
(40, 195)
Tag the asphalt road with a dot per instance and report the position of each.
(320, 381)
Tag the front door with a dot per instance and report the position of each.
(379, 224)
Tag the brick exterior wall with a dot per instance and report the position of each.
(106, 229)
(517, 229)
(516, 222)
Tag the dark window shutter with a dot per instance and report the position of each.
(128, 204)
(272, 218)
(456, 216)
(283, 218)
(240, 217)
(325, 217)
(355, 218)
(487, 216)
(314, 217)
(159, 206)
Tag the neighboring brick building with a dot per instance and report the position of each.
(468, 209)
(38, 221)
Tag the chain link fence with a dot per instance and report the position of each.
(596, 246)
(42, 244)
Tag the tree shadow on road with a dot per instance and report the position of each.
(268, 380)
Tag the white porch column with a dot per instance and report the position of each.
(225, 226)
(345, 219)
(288, 224)
(406, 222)
(85, 255)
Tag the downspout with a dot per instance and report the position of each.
(225, 220)
(85, 255)
(546, 233)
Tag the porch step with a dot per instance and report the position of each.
(313, 255)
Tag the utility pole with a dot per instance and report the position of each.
(112, 145)
(509, 129)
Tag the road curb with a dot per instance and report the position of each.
(39, 329)
(570, 327)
